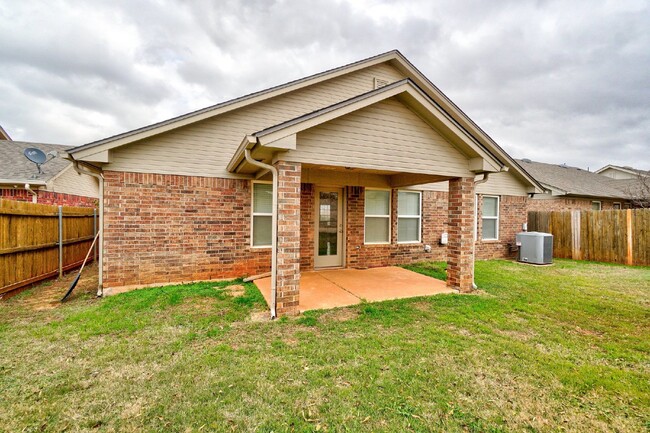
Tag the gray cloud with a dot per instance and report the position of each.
(549, 80)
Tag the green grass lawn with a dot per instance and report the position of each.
(558, 348)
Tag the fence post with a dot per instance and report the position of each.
(630, 238)
(60, 241)
(575, 235)
(94, 234)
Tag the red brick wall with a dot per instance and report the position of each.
(434, 222)
(307, 225)
(513, 213)
(564, 203)
(460, 250)
(288, 281)
(165, 228)
(47, 197)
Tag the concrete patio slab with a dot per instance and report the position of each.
(382, 284)
(343, 287)
(316, 292)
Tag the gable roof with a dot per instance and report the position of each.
(15, 167)
(233, 104)
(274, 137)
(574, 181)
(629, 170)
(393, 58)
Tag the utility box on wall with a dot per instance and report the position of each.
(535, 247)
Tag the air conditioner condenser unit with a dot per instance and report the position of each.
(535, 247)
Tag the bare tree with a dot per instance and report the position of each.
(638, 191)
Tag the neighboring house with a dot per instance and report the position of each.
(369, 165)
(58, 183)
(619, 173)
(633, 182)
(572, 188)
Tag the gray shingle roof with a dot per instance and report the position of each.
(572, 180)
(630, 188)
(15, 166)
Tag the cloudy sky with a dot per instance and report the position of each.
(554, 81)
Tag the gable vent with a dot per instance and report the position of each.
(378, 82)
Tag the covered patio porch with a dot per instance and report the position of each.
(331, 288)
(362, 160)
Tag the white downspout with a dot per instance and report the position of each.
(274, 227)
(32, 192)
(100, 178)
(476, 182)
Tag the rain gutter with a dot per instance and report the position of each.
(100, 178)
(274, 227)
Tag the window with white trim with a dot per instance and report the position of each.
(596, 205)
(490, 218)
(409, 216)
(617, 205)
(377, 216)
(261, 231)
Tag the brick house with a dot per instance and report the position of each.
(364, 165)
(572, 188)
(58, 184)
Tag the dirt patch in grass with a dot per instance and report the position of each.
(339, 315)
(47, 295)
(198, 307)
(588, 332)
(235, 290)
(260, 316)
(521, 335)
(422, 306)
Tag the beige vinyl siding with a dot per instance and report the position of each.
(384, 136)
(70, 182)
(205, 148)
(617, 174)
(503, 184)
(497, 184)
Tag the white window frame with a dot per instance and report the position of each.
(418, 217)
(254, 214)
(620, 206)
(476, 217)
(497, 217)
(390, 211)
(600, 205)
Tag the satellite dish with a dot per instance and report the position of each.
(38, 157)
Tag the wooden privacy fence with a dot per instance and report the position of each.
(615, 236)
(41, 241)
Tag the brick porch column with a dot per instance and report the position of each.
(288, 272)
(460, 255)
